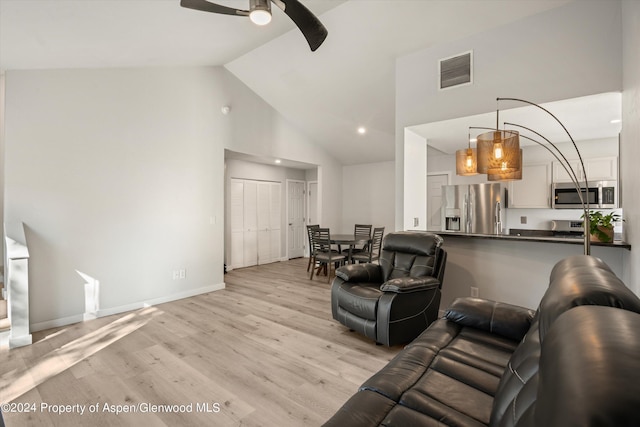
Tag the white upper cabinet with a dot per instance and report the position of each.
(603, 169)
(534, 189)
(598, 169)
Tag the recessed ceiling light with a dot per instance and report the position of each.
(362, 130)
(614, 121)
(278, 161)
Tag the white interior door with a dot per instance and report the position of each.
(434, 200)
(295, 218)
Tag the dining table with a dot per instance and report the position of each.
(348, 239)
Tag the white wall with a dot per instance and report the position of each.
(367, 196)
(257, 129)
(415, 182)
(630, 138)
(114, 174)
(571, 51)
(2, 102)
(119, 174)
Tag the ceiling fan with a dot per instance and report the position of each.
(260, 13)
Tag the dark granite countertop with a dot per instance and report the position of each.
(534, 237)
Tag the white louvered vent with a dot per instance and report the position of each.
(456, 70)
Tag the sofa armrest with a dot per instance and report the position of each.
(509, 321)
(360, 273)
(410, 284)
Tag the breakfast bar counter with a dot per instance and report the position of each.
(533, 237)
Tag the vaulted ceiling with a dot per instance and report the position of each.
(347, 83)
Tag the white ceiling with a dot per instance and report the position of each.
(348, 82)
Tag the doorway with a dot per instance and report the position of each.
(295, 218)
(435, 181)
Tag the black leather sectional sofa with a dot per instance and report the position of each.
(575, 361)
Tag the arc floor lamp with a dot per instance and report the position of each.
(499, 141)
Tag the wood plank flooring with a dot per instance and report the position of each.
(262, 352)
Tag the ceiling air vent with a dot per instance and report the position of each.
(456, 70)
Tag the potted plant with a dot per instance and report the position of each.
(601, 225)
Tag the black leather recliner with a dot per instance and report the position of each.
(393, 302)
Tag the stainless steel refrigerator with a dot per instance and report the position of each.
(474, 208)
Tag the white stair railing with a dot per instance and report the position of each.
(17, 284)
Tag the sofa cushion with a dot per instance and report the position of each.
(589, 370)
(518, 385)
(449, 372)
(583, 280)
(510, 321)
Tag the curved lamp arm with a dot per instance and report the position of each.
(572, 174)
(560, 123)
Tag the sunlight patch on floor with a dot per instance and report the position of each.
(19, 381)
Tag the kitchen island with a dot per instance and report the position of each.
(512, 268)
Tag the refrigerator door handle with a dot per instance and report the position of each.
(469, 212)
(498, 218)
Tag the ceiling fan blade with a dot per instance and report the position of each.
(311, 27)
(205, 6)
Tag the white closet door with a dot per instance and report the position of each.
(237, 223)
(264, 223)
(255, 222)
(250, 235)
(275, 219)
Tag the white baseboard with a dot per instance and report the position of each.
(64, 321)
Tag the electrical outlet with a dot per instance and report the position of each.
(183, 273)
(474, 292)
(176, 274)
(416, 221)
(523, 220)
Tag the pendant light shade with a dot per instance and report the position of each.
(499, 152)
(507, 176)
(466, 162)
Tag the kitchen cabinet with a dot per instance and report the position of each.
(598, 169)
(534, 189)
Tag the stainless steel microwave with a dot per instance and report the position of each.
(600, 194)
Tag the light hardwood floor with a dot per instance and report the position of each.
(262, 352)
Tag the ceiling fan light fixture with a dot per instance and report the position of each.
(260, 12)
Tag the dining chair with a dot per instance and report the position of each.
(310, 229)
(360, 231)
(373, 252)
(322, 253)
